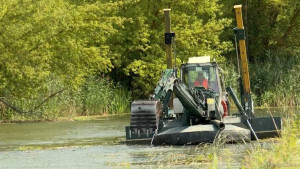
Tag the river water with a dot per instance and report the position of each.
(98, 144)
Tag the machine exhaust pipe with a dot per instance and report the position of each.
(218, 124)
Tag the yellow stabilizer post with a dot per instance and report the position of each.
(243, 52)
(168, 30)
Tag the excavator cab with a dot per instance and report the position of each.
(201, 74)
(205, 76)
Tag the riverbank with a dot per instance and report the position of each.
(97, 97)
(65, 119)
(271, 111)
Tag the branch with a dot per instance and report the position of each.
(32, 110)
(45, 100)
(12, 107)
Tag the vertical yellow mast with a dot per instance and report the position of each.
(240, 36)
(169, 35)
(168, 38)
(243, 52)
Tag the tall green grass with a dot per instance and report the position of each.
(281, 153)
(103, 96)
(97, 96)
(275, 81)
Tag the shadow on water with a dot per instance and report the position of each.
(97, 143)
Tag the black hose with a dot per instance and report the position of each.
(235, 99)
(218, 124)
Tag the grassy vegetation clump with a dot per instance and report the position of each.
(280, 153)
(97, 96)
(103, 96)
(275, 80)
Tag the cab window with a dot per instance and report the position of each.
(192, 74)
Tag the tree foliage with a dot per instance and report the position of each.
(271, 25)
(41, 40)
(140, 46)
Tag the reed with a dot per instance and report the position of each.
(275, 80)
(97, 96)
(278, 153)
(104, 97)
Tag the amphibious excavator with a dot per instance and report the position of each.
(194, 107)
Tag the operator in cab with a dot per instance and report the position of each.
(201, 81)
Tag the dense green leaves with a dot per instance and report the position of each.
(43, 38)
(271, 25)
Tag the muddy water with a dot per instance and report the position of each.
(98, 144)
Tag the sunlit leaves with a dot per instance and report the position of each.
(39, 39)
